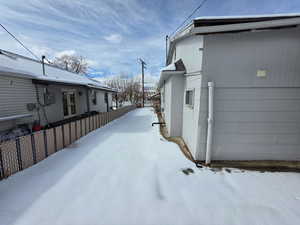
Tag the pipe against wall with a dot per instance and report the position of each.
(210, 121)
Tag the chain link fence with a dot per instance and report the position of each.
(25, 151)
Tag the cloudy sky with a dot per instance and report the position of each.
(112, 34)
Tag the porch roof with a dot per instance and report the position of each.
(172, 69)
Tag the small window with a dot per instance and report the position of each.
(189, 98)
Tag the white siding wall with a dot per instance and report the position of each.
(15, 93)
(191, 114)
(190, 51)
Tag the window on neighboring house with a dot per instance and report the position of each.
(94, 97)
(189, 98)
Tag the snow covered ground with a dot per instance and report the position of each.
(125, 173)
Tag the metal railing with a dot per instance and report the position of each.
(25, 151)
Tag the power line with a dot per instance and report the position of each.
(195, 10)
(14, 37)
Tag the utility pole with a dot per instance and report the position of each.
(143, 82)
(167, 38)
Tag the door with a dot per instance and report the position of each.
(69, 103)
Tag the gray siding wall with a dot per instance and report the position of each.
(167, 99)
(256, 118)
(54, 112)
(172, 100)
(176, 105)
(15, 93)
(101, 105)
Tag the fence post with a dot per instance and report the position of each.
(33, 149)
(70, 133)
(1, 165)
(63, 135)
(76, 130)
(46, 144)
(19, 157)
(55, 140)
(81, 131)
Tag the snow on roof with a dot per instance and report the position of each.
(170, 67)
(248, 16)
(16, 65)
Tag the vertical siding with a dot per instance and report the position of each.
(15, 93)
(255, 118)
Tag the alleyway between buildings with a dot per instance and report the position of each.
(126, 174)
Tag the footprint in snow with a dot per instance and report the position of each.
(187, 171)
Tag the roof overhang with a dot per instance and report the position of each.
(102, 88)
(215, 25)
(5, 71)
(23, 67)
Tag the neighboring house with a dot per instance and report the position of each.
(252, 64)
(31, 91)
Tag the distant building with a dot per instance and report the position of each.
(28, 95)
(251, 66)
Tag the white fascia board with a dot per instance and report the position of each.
(248, 16)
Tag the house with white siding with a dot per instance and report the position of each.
(231, 88)
(33, 92)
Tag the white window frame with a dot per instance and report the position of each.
(69, 92)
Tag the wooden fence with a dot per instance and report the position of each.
(25, 151)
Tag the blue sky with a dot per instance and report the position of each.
(112, 34)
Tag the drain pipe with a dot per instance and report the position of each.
(210, 122)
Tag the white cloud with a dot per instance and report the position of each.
(92, 62)
(114, 38)
(65, 52)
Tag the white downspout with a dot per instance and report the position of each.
(210, 121)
